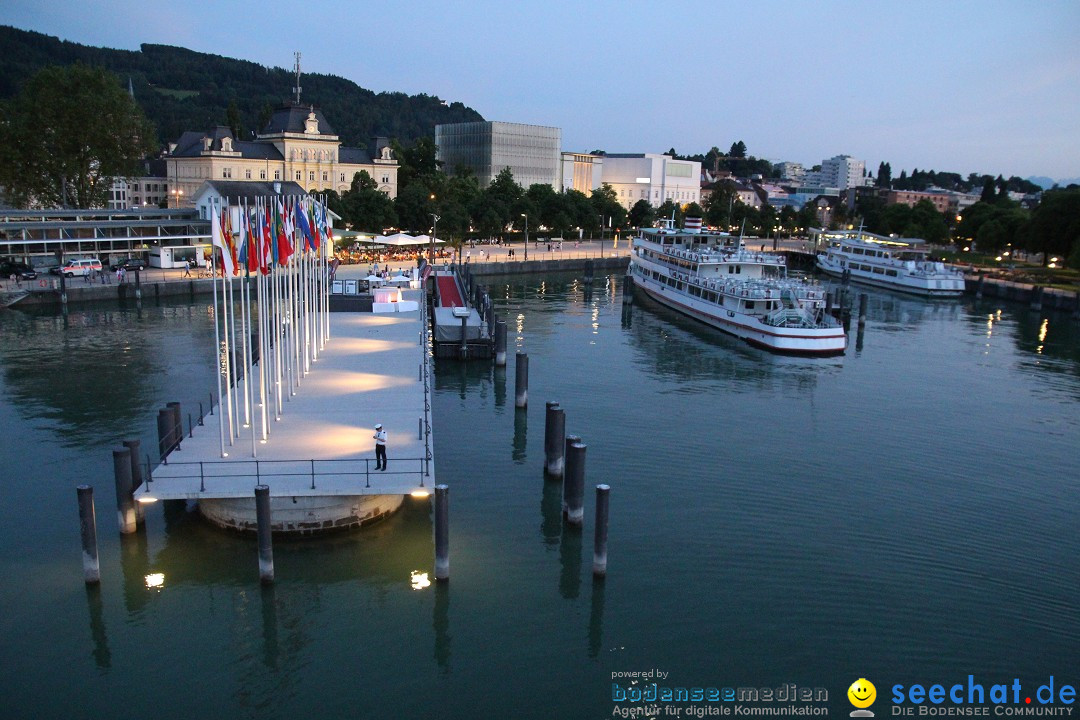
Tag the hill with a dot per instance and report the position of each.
(181, 89)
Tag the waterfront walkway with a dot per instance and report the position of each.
(371, 371)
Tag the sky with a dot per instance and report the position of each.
(986, 87)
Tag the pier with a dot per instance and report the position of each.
(319, 459)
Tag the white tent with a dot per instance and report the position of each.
(403, 240)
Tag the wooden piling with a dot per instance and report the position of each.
(554, 437)
(599, 558)
(88, 527)
(125, 500)
(521, 380)
(500, 343)
(262, 520)
(574, 484)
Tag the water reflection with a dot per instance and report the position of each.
(270, 626)
(440, 623)
(521, 429)
(570, 561)
(135, 566)
(596, 617)
(101, 653)
(551, 512)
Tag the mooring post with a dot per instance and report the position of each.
(88, 524)
(599, 557)
(979, 286)
(164, 432)
(500, 343)
(138, 285)
(863, 299)
(262, 520)
(574, 484)
(177, 425)
(442, 532)
(1036, 297)
(554, 435)
(125, 501)
(628, 288)
(134, 447)
(464, 348)
(521, 380)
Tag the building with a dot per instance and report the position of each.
(792, 171)
(297, 145)
(532, 152)
(138, 192)
(911, 198)
(843, 172)
(581, 171)
(214, 193)
(652, 177)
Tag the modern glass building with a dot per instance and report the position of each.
(532, 152)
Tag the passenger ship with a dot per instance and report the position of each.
(891, 263)
(713, 278)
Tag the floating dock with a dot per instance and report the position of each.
(460, 328)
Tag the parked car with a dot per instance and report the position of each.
(21, 270)
(81, 267)
(128, 264)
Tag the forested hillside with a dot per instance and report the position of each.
(180, 90)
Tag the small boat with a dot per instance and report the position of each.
(713, 278)
(893, 263)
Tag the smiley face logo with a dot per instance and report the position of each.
(862, 693)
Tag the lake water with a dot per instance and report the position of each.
(907, 513)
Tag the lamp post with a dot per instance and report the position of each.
(177, 193)
(434, 230)
(524, 215)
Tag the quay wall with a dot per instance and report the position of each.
(522, 267)
(1052, 298)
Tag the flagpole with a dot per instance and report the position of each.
(217, 341)
(259, 304)
(226, 329)
(243, 331)
(249, 346)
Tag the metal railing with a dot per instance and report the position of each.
(265, 471)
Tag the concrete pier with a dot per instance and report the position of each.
(521, 380)
(574, 484)
(500, 343)
(599, 563)
(554, 434)
(125, 503)
(442, 532)
(88, 525)
(266, 549)
(319, 459)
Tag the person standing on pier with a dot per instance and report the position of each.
(380, 447)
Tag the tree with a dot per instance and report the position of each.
(232, 119)
(884, 175)
(605, 203)
(670, 209)
(365, 207)
(1055, 226)
(642, 214)
(738, 149)
(70, 132)
(988, 194)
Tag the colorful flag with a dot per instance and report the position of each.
(221, 236)
(266, 253)
(304, 225)
(282, 248)
(251, 242)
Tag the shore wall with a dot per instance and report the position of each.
(78, 291)
(536, 267)
(1051, 298)
(301, 515)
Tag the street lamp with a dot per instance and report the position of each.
(524, 215)
(434, 230)
(177, 193)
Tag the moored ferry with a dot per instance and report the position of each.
(893, 263)
(713, 278)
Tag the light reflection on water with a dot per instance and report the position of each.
(903, 512)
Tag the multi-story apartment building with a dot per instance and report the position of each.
(652, 177)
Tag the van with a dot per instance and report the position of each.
(81, 267)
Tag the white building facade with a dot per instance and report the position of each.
(652, 177)
(843, 172)
(582, 172)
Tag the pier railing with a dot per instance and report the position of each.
(213, 475)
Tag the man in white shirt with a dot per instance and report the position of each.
(380, 447)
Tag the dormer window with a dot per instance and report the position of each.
(311, 125)
(226, 144)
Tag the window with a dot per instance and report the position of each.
(325, 176)
(386, 178)
(299, 176)
(247, 174)
(310, 176)
(262, 174)
(277, 174)
(342, 178)
(226, 173)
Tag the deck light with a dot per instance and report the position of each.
(147, 498)
(420, 492)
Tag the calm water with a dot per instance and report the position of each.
(906, 513)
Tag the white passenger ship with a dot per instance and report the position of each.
(713, 278)
(893, 263)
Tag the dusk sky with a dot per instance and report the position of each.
(987, 87)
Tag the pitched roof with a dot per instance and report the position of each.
(190, 144)
(249, 190)
(354, 156)
(290, 118)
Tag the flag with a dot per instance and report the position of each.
(266, 254)
(324, 220)
(282, 248)
(221, 236)
(313, 218)
(304, 225)
(251, 242)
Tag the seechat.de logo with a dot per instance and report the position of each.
(862, 694)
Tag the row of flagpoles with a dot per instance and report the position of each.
(279, 248)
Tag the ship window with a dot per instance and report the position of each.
(890, 273)
(749, 304)
(878, 271)
(857, 251)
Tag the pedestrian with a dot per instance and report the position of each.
(187, 268)
(380, 447)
